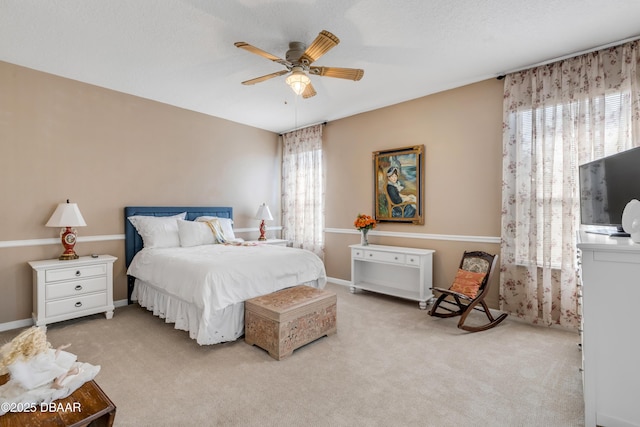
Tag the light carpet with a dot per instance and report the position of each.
(389, 364)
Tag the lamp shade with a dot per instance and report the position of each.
(298, 80)
(264, 213)
(66, 215)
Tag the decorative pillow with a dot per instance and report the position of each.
(225, 223)
(158, 231)
(467, 282)
(195, 233)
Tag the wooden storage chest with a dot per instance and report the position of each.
(288, 319)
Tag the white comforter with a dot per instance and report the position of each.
(212, 277)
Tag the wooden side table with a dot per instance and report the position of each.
(88, 405)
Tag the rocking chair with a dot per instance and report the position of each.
(468, 291)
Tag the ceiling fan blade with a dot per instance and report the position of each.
(266, 77)
(321, 45)
(340, 73)
(260, 52)
(309, 91)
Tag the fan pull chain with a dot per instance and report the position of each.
(295, 106)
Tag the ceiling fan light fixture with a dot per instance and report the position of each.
(298, 80)
(298, 64)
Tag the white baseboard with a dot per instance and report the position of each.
(339, 281)
(25, 323)
(16, 324)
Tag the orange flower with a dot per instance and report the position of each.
(364, 222)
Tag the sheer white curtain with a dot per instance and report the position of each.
(557, 117)
(303, 189)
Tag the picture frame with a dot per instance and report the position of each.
(398, 185)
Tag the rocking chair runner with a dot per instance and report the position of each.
(468, 291)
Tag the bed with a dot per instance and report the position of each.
(198, 283)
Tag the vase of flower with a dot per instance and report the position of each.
(363, 237)
(364, 223)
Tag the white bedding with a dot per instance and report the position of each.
(202, 288)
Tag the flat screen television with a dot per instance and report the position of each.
(606, 186)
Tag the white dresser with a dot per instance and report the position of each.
(610, 332)
(393, 270)
(65, 290)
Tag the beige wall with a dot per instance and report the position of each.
(105, 150)
(461, 132)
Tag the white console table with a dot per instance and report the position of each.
(610, 339)
(393, 270)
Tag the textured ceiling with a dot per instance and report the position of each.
(181, 52)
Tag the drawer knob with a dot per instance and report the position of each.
(78, 288)
(370, 254)
(411, 259)
(396, 258)
(79, 304)
(78, 273)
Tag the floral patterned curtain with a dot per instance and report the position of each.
(303, 189)
(557, 117)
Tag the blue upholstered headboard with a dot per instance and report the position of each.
(133, 241)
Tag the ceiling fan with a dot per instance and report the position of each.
(298, 60)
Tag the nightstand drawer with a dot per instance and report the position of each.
(413, 260)
(395, 258)
(58, 274)
(71, 305)
(76, 287)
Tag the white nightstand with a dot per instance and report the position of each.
(65, 290)
(277, 242)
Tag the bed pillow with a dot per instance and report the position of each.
(158, 231)
(467, 282)
(195, 233)
(225, 223)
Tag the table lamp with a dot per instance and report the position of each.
(67, 215)
(263, 214)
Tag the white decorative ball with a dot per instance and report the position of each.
(635, 230)
(631, 218)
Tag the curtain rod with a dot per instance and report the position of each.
(571, 55)
(302, 127)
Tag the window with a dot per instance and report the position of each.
(557, 117)
(303, 189)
